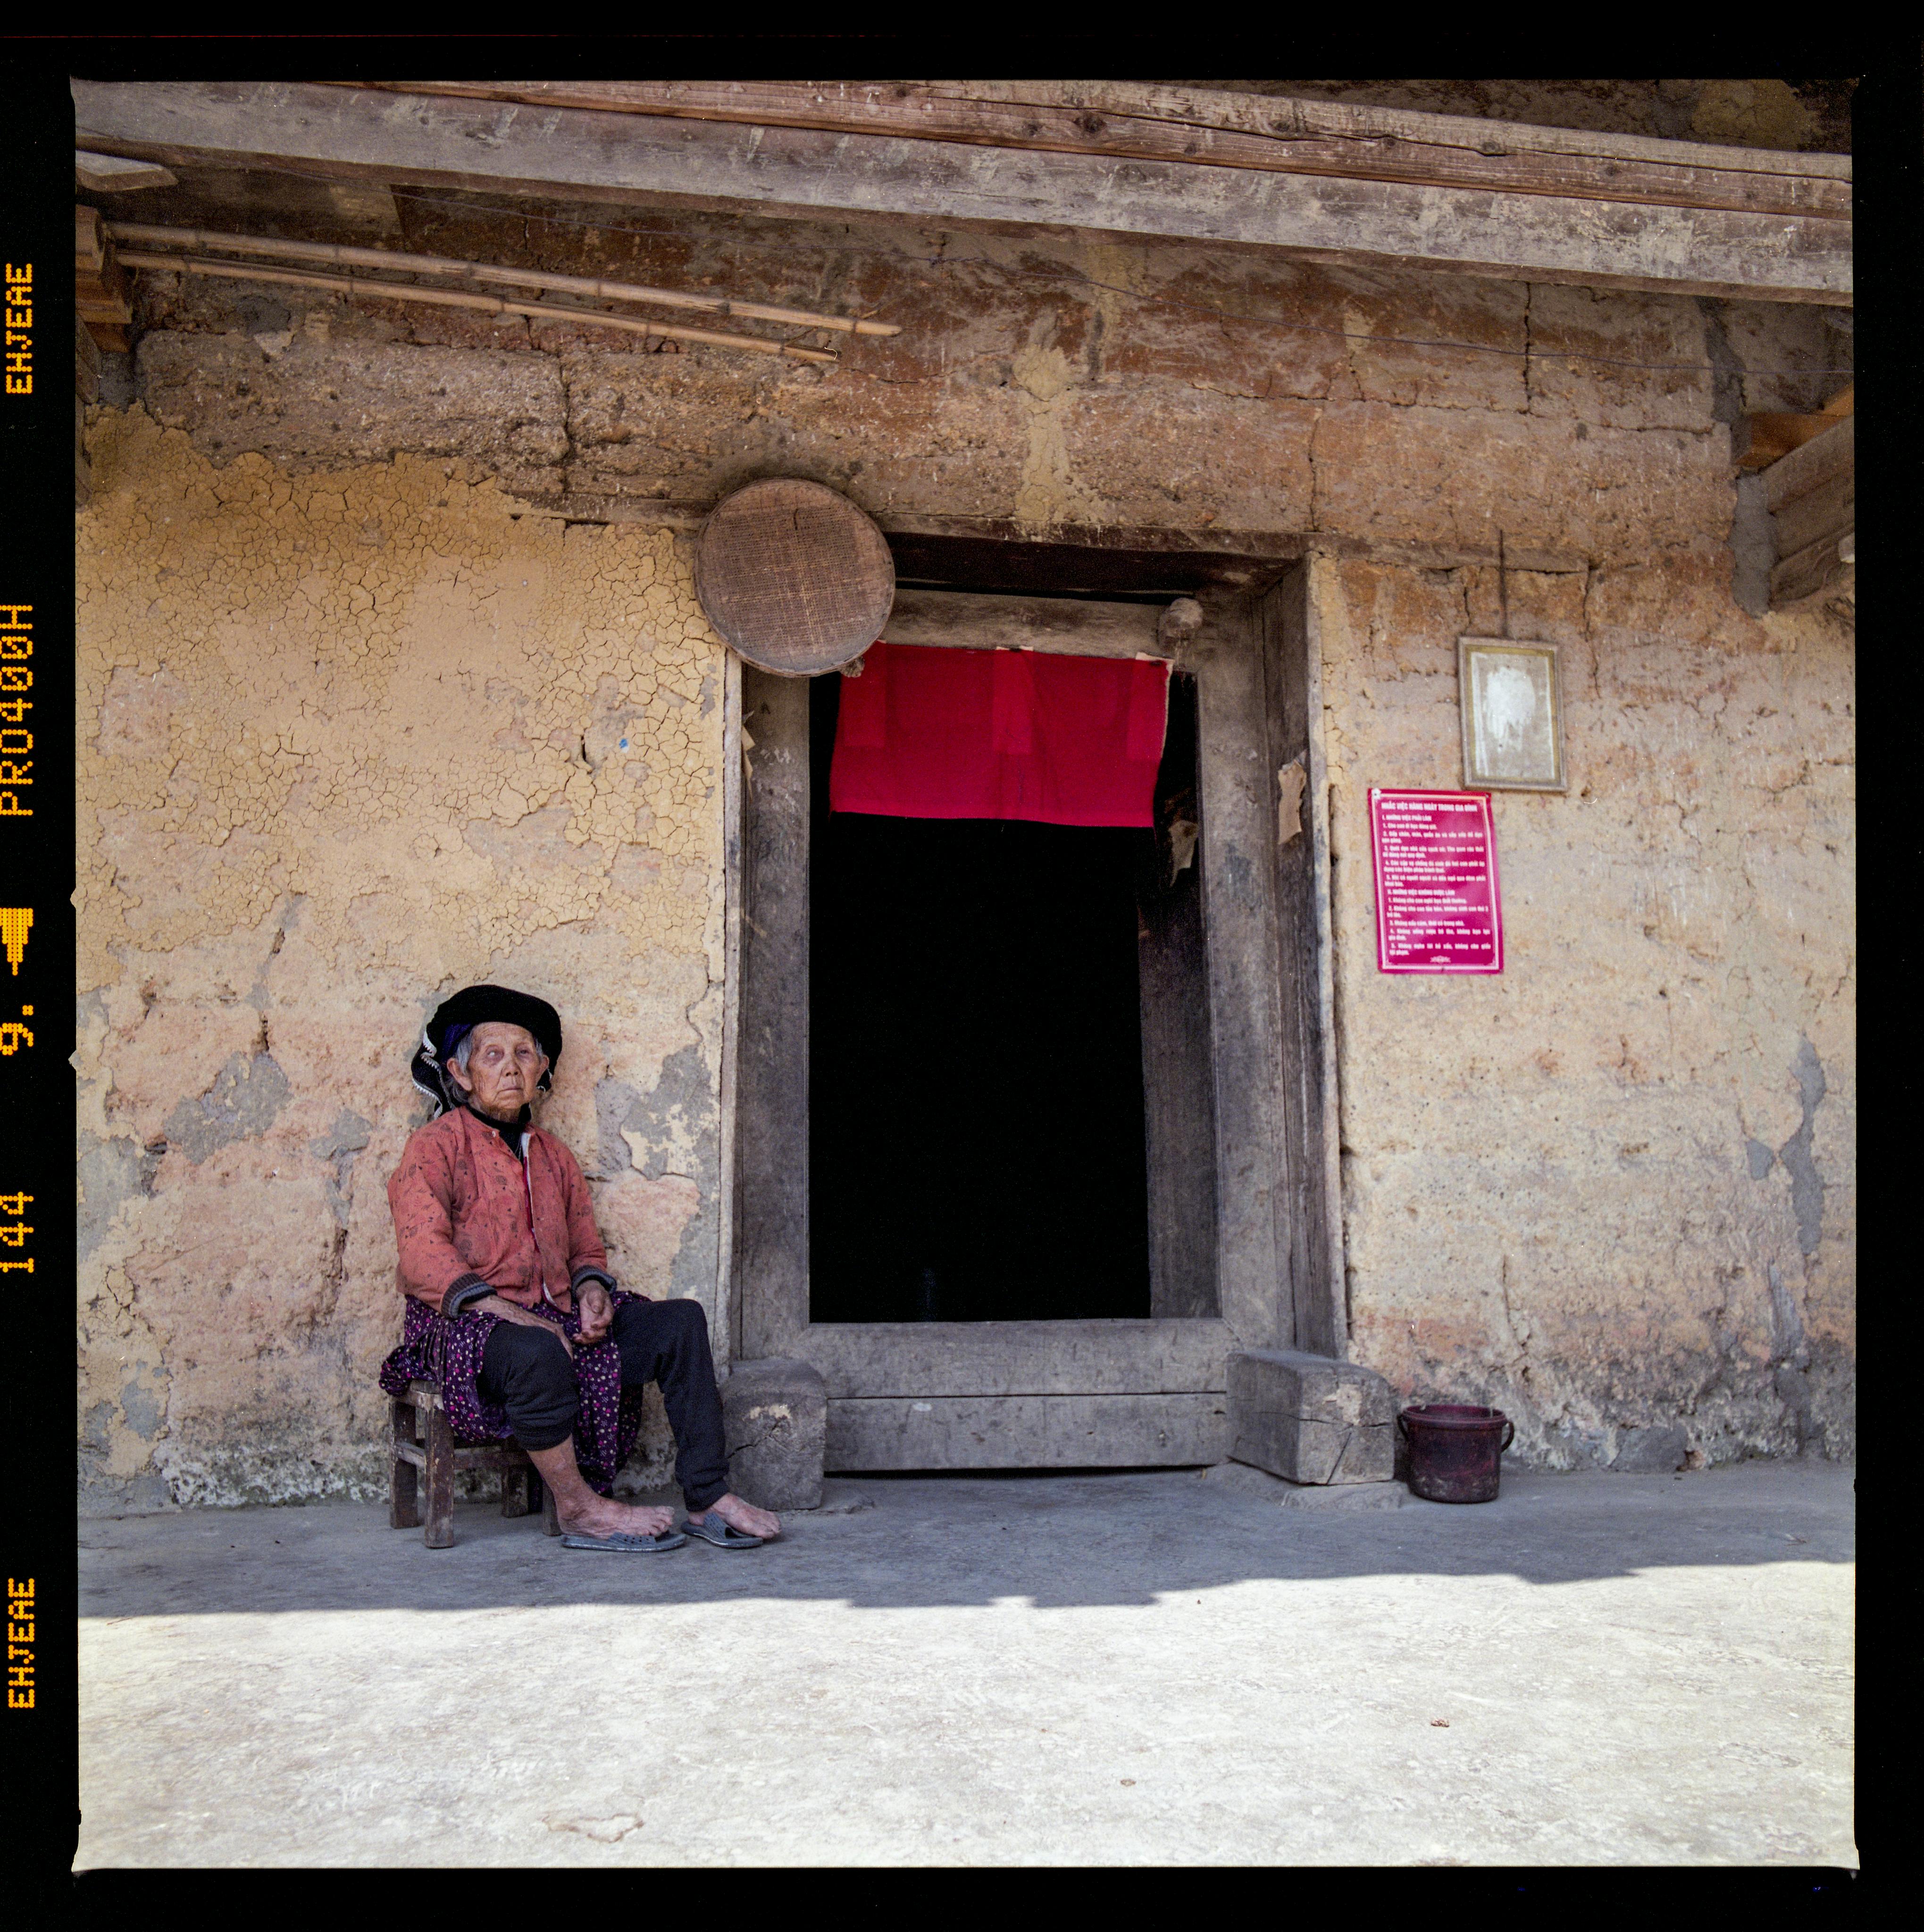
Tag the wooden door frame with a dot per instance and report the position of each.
(1063, 1394)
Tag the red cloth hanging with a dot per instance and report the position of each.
(946, 733)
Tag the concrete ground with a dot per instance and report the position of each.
(1114, 1669)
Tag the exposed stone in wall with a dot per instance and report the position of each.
(349, 741)
(1631, 1156)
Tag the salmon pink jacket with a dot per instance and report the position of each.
(466, 1211)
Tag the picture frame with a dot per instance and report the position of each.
(1511, 697)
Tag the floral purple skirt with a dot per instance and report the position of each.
(432, 1350)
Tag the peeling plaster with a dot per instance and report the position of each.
(244, 1102)
(1806, 1183)
(338, 771)
(1049, 493)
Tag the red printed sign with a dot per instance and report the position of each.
(1438, 909)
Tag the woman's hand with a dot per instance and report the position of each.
(498, 1304)
(596, 1307)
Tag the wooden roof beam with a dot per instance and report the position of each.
(1213, 129)
(433, 141)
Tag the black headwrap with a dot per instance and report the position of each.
(471, 1007)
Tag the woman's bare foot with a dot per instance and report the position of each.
(741, 1516)
(581, 1510)
(599, 1516)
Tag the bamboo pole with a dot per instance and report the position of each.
(352, 285)
(346, 255)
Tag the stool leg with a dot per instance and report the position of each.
(403, 1498)
(550, 1522)
(439, 1532)
(517, 1497)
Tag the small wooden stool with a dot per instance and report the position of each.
(431, 1450)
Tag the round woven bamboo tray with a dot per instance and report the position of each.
(793, 576)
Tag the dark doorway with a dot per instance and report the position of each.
(975, 1080)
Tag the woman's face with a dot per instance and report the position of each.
(503, 1065)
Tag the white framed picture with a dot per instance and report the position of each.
(1511, 698)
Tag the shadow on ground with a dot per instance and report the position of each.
(1052, 1541)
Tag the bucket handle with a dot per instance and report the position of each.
(1509, 1432)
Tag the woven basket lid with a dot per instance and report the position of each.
(793, 576)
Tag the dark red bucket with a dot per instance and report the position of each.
(1455, 1451)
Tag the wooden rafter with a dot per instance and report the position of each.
(108, 174)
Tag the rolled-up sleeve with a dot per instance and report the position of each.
(420, 1192)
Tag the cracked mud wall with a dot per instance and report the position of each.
(349, 741)
(353, 702)
(1612, 1190)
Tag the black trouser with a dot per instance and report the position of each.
(531, 1375)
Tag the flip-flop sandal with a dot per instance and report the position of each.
(723, 1535)
(625, 1545)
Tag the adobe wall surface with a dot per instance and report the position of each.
(370, 597)
(349, 741)
(1613, 1189)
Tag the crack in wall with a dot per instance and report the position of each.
(1315, 474)
(1530, 346)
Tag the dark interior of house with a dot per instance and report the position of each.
(975, 1095)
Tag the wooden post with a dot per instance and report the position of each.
(1255, 1289)
(728, 1299)
(1178, 1093)
(403, 1498)
(1306, 1119)
(440, 1434)
(771, 1254)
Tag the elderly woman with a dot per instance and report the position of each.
(511, 1307)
